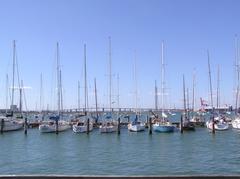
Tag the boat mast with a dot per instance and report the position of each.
(218, 88)
(188, 108)
(135, 79)
(13, 77)
(184, 100)
(237, 70)
(156, 96)
(85, 80)
(20, 103)
(58, 81)
(78, 95)
(41, 92)
(7, 93)
(210, 80)
(61, 92)
(162, 80)
(96, 102)
(193, 100)
(110, 75)
(118, 91)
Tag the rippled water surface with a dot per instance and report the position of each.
(190, 153)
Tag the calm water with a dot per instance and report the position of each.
(129, 153)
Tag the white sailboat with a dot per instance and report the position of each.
(163, 124)
(136, 125)
(109, 126)
(10, 123)
(86, 125)
(59, 125)
(236, 120)
(217, 123)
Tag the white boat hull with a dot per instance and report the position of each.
(11, 125)
(236, 123)
(82, 129)
(107, 129)
(47, 128)
(136, 127)
(218, 126)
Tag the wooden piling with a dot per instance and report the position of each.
(119, 125)
(2, 125)
(25, 126)
(213, 125)
(56, 126)
(88, 126)
(150, 126)
(181, 124)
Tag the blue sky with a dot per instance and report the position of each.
(187, 27)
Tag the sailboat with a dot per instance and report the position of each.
(10, 123)
(186, 124)
(109, 126)
(163, 124)
(84, 125)
(216, 123)
(236, 120)
(197, 118)
(136, 125)
(56, 124)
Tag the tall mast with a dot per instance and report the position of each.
(188, 103)
(210, 79)
(58, 80)
(135, 79)
(61, 91)
(20, 103)
(218, 88)
(78, 95)
(237, 71)
(41, 92)
(13, 77)
(7, 93)
(110, 75)
(85, 80)
(118, 96)
(184, 99)
(96, 102)
(193, 98)
(156, 96)
(162, 79)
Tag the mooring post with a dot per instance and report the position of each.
(57, 126)
(88, 126)
(150, 125)
(25, 126)
(181, 124)
(2, 125)
(213, 125)
(119, 125)
(128, 117)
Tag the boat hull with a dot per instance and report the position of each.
(163, 128)
(45, 128)
(107, 129)
(136, 128)
(82, 129)
(218, 127)
(11, 126)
